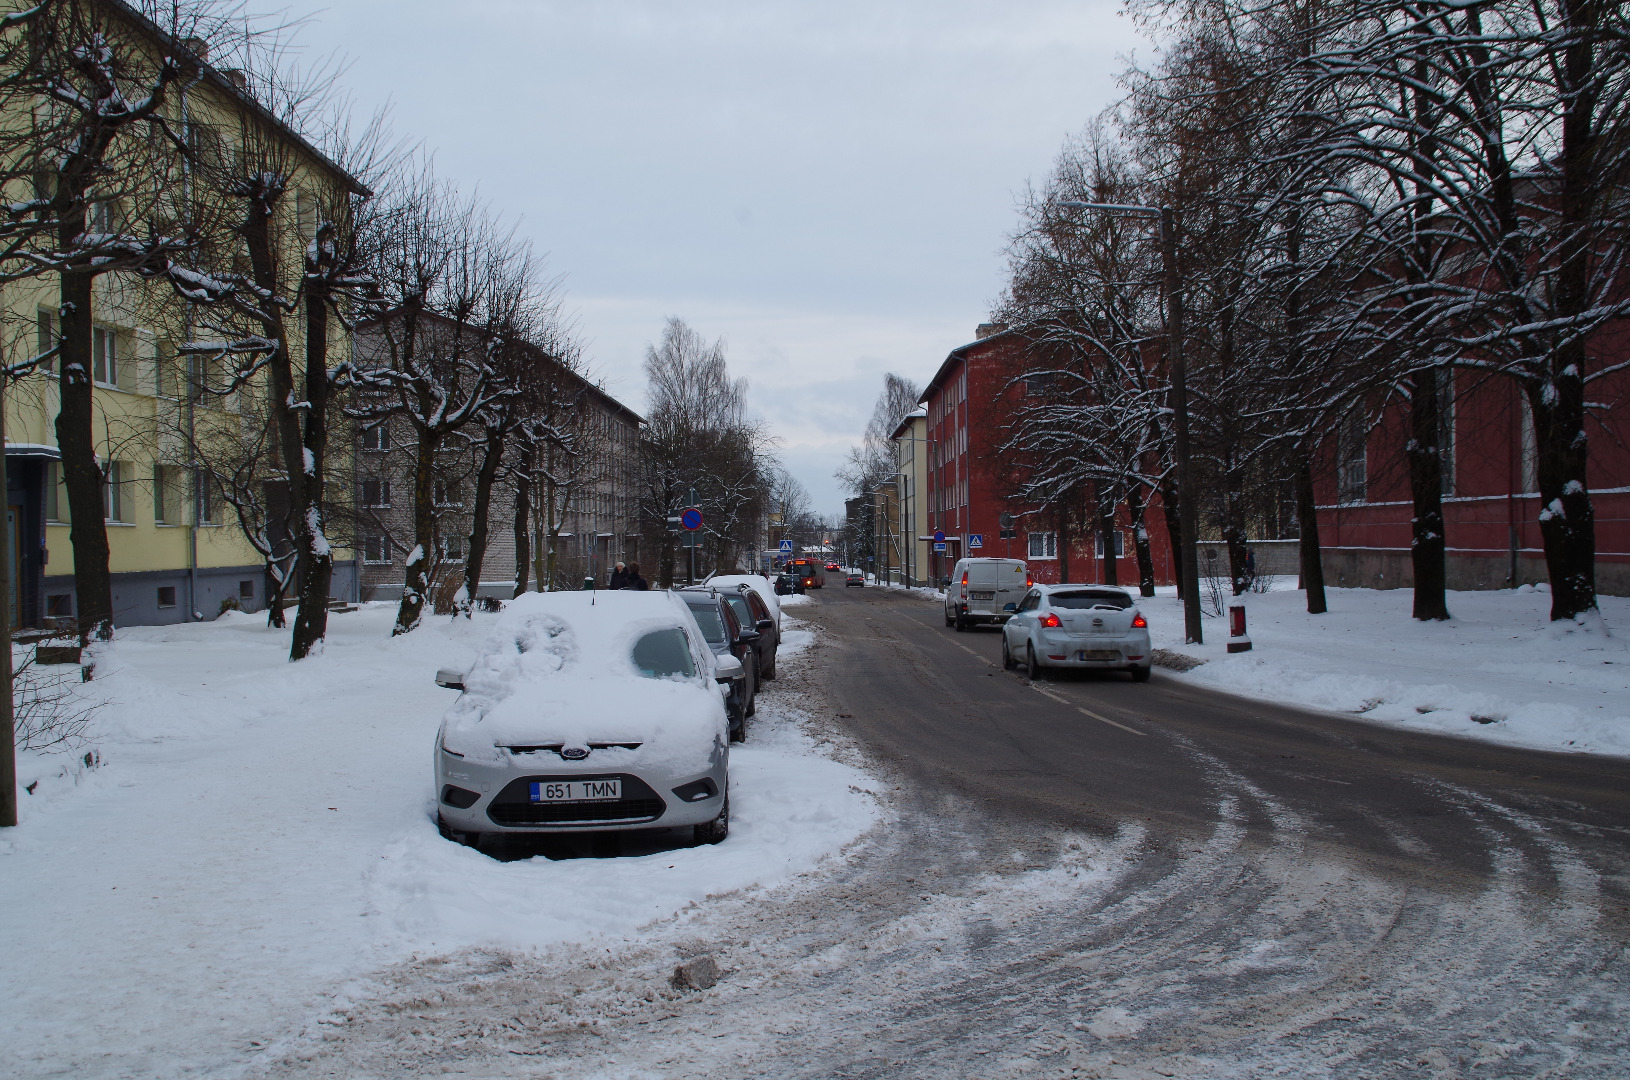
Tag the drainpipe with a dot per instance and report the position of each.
(197, 477)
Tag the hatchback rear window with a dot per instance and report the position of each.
(664, 653)
(1088, 598)
(711, 622)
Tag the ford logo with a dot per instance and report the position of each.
(575, 753)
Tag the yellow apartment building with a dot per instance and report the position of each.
(177, 551)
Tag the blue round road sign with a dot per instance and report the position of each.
(939, 537)
(690, 518)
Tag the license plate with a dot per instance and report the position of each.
(984, 596)
(1098, 654)
(577, 791)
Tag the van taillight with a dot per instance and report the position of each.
(964, 579)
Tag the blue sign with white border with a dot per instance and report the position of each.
(976, 540)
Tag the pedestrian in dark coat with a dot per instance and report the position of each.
(634, 581)
(619, 577)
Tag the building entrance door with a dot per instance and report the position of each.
(14, 517)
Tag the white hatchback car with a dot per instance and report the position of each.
(586, 711)
(1077, 626)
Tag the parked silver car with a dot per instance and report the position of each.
(1077, 626)
(587, 712)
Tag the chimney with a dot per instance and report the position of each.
(197, 46)
(986, 329)
(237, 78)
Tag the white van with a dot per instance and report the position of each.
(984, 591)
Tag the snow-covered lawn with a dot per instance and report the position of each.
(257, 835)
(1499, 670)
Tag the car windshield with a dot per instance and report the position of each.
(664, 653)
(711, 622)
(1089, 598)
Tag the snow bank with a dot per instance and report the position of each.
(1499, 670)
(258, 835)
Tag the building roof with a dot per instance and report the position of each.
(905, 422)
(960, 353)
(219, 80)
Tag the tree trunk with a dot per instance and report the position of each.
(1307, 521)
(522, 524)
(1426, 543)
(316, 556)
(1567, 521)
(277, 587)
(416, 586)
(1174, 528)
(1135, 507)
(492, 455)
(1106, 534)
(82, 473)
(1234, 534)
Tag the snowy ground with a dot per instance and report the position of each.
(257, 838)
(1498, 670)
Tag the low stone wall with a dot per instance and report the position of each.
(1390, 568)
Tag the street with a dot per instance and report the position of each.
(1087, 877)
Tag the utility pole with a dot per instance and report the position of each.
(1188, 565)
(8, 721)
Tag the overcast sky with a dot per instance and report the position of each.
(827, 186)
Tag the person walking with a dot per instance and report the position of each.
(619, 577)
(634, 581)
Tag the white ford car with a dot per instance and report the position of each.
(586, 711)
(1077, 626)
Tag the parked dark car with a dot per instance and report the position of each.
(751, 610)
(726, 635)
(788, 584)
(855, 578)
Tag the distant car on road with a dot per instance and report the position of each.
(855, 577)
(984, 591)
(833, 566)
(1077, 626)
(586, 712)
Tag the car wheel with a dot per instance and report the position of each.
(1032, 667)
(455, 835)
(752, 693)
(961, 624)
(1141, 674)
(947, 616)
(712, 832)
(1007, 654)
(768, 674)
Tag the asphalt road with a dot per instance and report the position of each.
(1092, 751)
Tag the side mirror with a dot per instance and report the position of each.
(1010, 607)
(729, 669)
(765, 624)
(451, 678)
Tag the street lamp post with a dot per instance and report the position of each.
(1188, 568)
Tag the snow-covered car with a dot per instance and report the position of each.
(1077, 626)
(761, 585)
(729, 639)
(586, 712)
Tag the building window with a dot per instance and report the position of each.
(169, 494)
(445, 493)
(45, 336)
(207, 500)
(1038, 385)
(1120, 544)
(452, 549)
(1351, 461)
(377, 437)
(60, 605)
(166, 596)
(56, 493)
(246, 589)
(375, 549)
(105, 356)
(113, 495)
(1043, 545)
(376, 494)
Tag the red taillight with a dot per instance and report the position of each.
(1139, 622)
(1050, 620)
(1028, 583)
(964, 579)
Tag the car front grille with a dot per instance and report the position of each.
(513, 807)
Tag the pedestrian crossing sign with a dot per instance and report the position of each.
(976, 540)
(786, 545)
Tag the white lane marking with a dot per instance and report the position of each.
(971, 653)
(1084, 712)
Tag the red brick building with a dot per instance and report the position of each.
(969, 482)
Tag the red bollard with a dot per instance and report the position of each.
(1238, 639)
